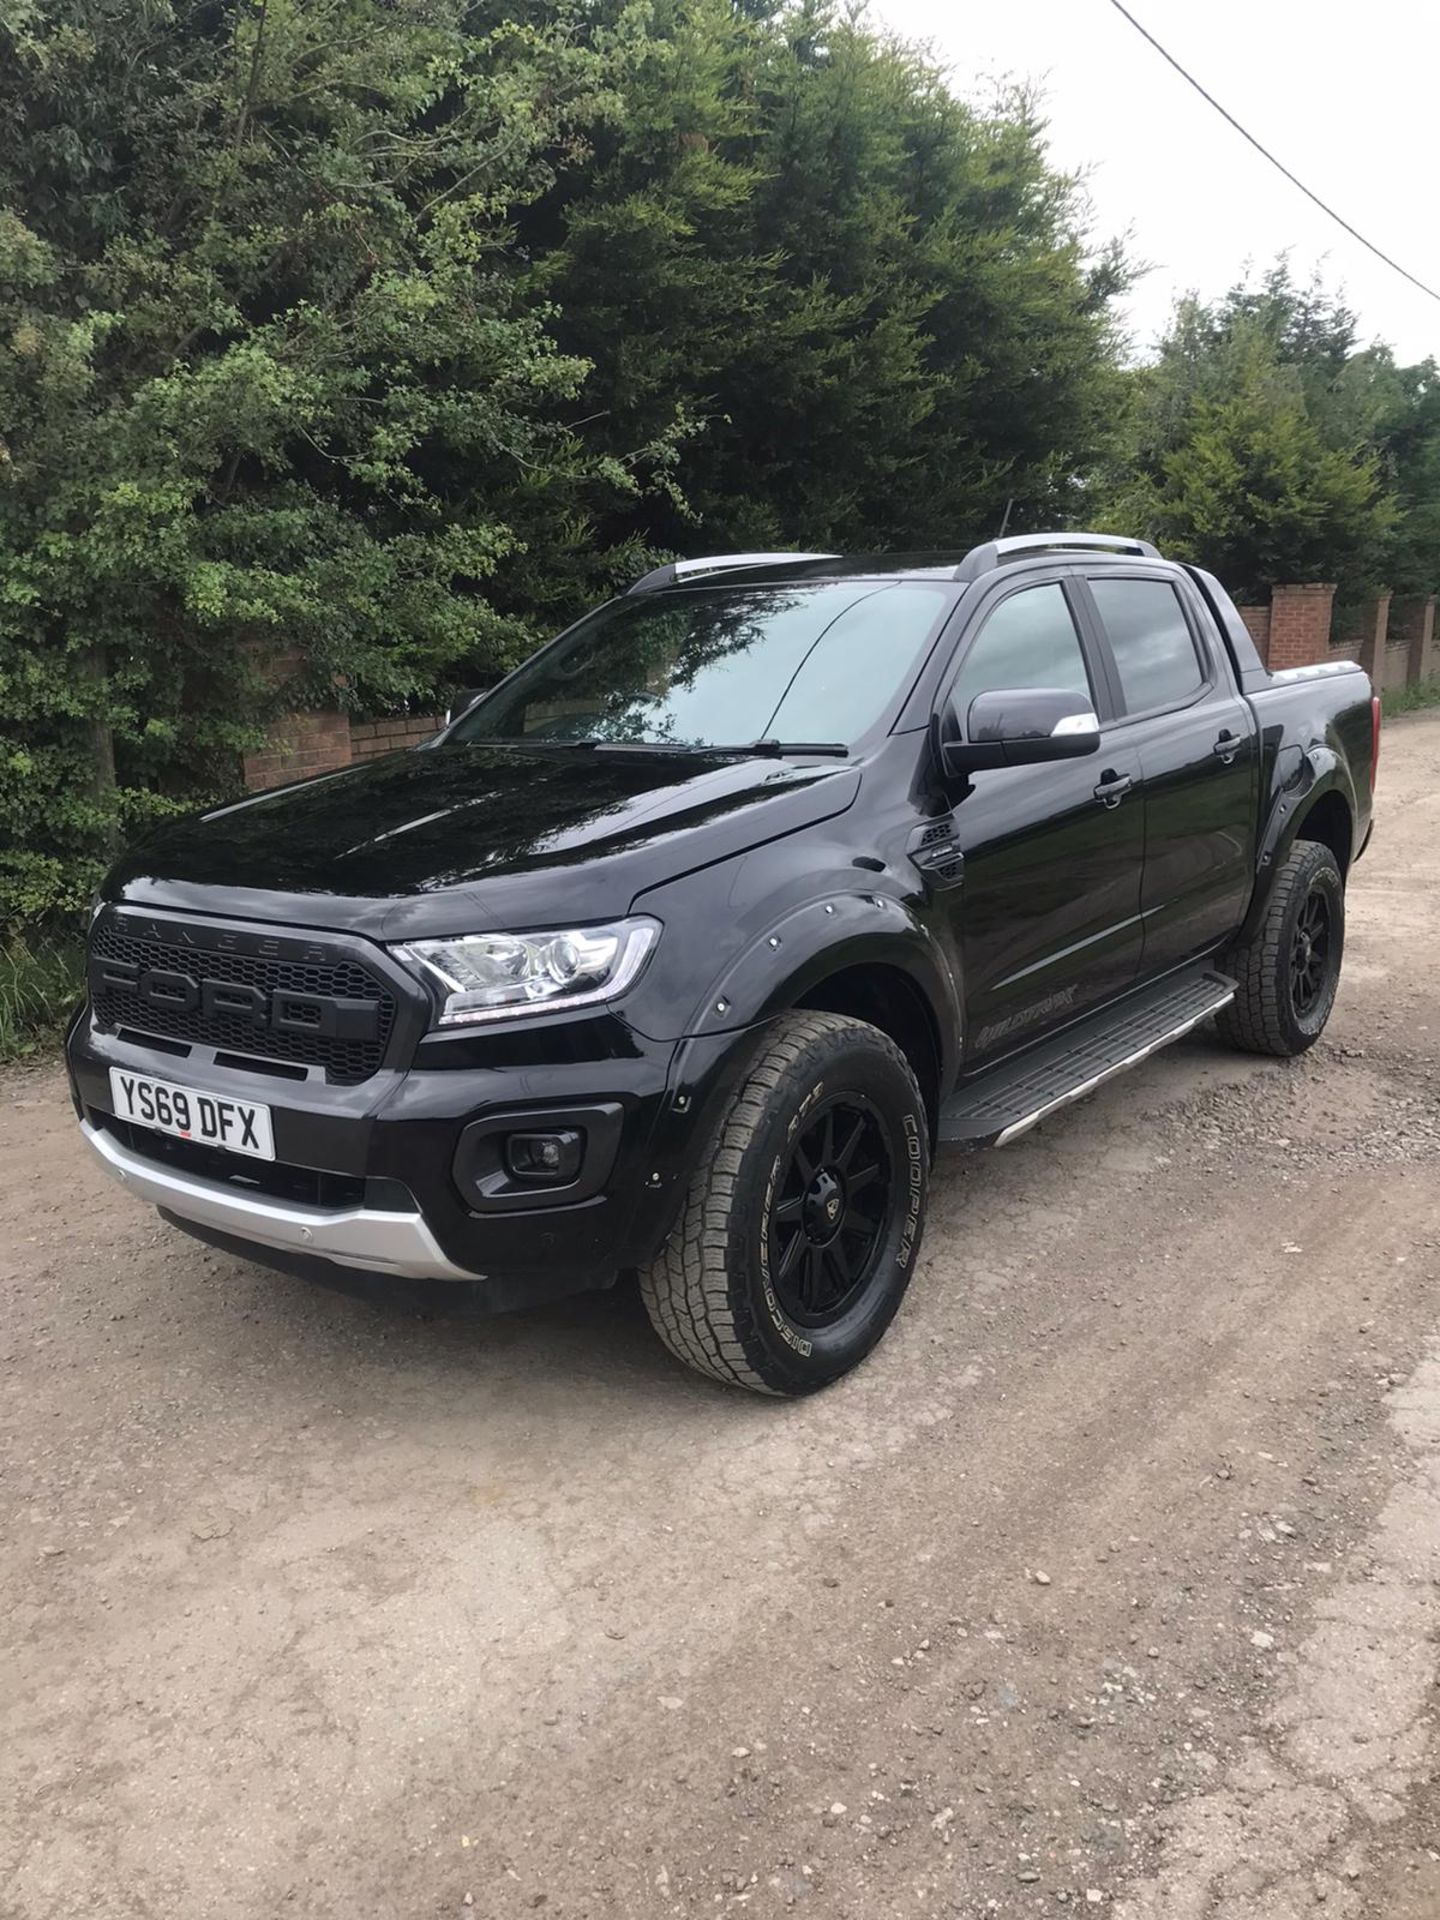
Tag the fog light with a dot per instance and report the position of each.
(551, 1159)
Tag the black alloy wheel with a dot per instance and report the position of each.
(1310, 954)
(830, 1212)
(799, 1233)
(1287, 970)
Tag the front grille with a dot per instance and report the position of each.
(345, 1061)
(276, 1179)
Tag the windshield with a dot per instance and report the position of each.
(806, 663)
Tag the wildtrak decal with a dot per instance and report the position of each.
(1016, 1022)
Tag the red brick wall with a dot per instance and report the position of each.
(1257, 621)
(1413, 621)
(1372, 627)
(303, 744)
(300, 745)
(1299, 626)
(368, 738)
(1394, 640)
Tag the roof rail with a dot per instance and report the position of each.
(675, 571)
(983, 558)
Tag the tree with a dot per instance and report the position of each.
(1400, 410)
(350, 345)
(866, 306)
(273, 382)
(1255, 443)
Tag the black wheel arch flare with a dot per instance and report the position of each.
(1310, 788)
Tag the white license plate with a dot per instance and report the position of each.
(240, 1126)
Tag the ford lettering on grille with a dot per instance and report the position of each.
(245, 992)
(160, 989)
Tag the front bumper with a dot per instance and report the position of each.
(365, 1177)
(369, 1238)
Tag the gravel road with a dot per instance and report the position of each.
(1109, 1583)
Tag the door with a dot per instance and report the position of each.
(1199, 752)
(1047, 918)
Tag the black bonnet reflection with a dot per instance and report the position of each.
(444, 817)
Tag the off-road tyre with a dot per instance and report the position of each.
(714, 1292)
(1266, 1015)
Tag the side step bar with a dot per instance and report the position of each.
(999, 1106)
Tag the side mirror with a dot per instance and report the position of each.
(1018, 727)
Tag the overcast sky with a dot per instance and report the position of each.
(1342, 92)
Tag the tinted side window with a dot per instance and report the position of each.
(1150, 638)
(1028, 641)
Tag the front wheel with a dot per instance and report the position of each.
(801, 1227)
(1288, 972)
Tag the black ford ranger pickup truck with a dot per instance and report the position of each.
(684, 947)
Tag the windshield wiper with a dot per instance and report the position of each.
(593, 746)
(610, 746)
(644, 746)
(522, 745)
(778, 749)
(762, 749)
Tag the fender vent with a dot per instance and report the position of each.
(935, 851)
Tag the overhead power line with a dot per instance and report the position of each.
(1260, 148)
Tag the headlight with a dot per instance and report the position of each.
(495, 976)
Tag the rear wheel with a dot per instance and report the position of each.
(1288, 973)
(800, 1230)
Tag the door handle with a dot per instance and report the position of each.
(1112, 788)
(1227, 746)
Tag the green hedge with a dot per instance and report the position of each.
(40, 981)
(348, 348)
